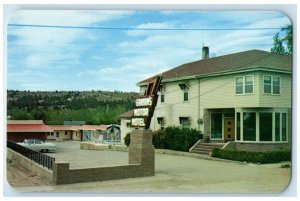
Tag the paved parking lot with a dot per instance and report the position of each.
(173, 174)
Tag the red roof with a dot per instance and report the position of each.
(64, 127)
(74, 128)
(28, 128)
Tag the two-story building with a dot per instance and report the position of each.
(243, 97)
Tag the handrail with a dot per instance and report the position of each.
(42, 159)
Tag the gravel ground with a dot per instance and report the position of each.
(173, 174)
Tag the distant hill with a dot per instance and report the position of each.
(43, 104)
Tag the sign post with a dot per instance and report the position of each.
(145, 105)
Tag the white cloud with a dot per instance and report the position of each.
(66, 17)
(149, 26)
(138, 54)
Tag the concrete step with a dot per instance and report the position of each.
(206, 148)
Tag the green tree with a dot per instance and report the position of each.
(288, 38)
(277, 45)
(283, 41)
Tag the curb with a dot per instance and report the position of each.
(123, 148)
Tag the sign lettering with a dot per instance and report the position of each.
(143, 102)
(138, 122)
(141, 112)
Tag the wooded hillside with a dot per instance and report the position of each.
(94, 107)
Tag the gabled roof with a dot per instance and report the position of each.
(127, 114)
(229, 63)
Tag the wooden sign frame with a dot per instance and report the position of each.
(151, 92)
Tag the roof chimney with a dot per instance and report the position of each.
(205, 52)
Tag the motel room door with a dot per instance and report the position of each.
(229, 129)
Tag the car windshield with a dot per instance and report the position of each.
(38, 142)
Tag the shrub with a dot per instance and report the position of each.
(176, 138)
(255, 157)
(159, 139)
(127, 139)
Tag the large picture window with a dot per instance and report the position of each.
(271, 84)
(244, 84)
(277, 126)
(249, 126)
(265, 126)
(216, 125)
(283, 126)
(238, 126)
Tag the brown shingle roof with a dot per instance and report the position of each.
(231, 62)
(127, 114)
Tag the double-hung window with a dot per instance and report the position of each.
(244, 84)
(185, 122)
(186, 94)
(271, 84)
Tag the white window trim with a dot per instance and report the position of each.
(273, 111)
(272, 92)
(244, 85)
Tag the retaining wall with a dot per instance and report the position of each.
(28, 164)
(141, 163)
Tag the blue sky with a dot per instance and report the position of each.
(43, 58)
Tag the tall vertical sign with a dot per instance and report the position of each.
(145, 105)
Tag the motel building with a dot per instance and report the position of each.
(242, 98)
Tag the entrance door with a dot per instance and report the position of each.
(229, 129)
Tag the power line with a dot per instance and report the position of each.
(144, 29)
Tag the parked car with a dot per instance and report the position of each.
(38, 145)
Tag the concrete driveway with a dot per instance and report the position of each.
(174, 174)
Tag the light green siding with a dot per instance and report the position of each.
(217, 92)
(175, 107)
(281, 100)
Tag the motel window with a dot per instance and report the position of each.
(271, 84)
(216, 125)
(249, 84)
(277, 126)
(238, 126)
(185, 88)
(249, 126)
(57, 134)
(185, 94)
(265, 126)
(244, 84)
(239, 82)
(283, 127)
(66, 133)
(276, 85)
(161, 122)
(162, 96)
(185, 123)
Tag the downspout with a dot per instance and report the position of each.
(198, 104)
